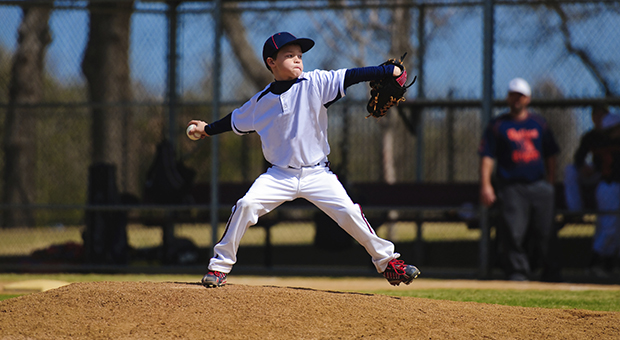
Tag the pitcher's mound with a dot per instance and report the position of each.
(149, 310)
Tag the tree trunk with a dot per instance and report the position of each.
(401, 21)
(26, 87)
(106, 68)
(254, 68)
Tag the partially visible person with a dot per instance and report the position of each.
(582, 177)
(603, 144)
(519, 145)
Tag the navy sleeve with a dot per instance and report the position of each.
(222, 125)
(358, 75)
(488, 143)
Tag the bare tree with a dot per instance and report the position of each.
(26, 87)
(106, 68)
(253, 67)
(596, 69)
(359, 31)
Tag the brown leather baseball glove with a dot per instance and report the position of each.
(388, 91)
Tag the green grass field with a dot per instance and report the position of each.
(595, 300)
(24, 241)
(8, 296)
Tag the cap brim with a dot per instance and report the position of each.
(519, 92)
(305, 44)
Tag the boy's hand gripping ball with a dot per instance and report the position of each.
(192, 136)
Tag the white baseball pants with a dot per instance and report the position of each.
(318, 185)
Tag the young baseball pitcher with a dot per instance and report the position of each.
(290, 116)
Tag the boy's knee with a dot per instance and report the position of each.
(247, 204)
(352, 212)
(244, 203)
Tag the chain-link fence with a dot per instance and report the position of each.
(86, 84)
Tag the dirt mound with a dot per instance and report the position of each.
(165, 310)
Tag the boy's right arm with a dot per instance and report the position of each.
(220, 126)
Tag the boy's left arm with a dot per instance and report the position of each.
(369, 73)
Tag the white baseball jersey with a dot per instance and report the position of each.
(293, 125)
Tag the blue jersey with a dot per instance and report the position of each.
(519, 147)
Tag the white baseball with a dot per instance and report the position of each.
(195, 135)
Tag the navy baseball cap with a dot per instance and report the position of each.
(276, 41)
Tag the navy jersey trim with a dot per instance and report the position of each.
(241, 132)
(328, 104)
(280, 86)
(264, 92)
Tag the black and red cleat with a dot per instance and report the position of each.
(214, 279)
(398, 272)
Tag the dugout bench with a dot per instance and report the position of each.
(381, 203)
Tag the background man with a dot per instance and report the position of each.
(524, 148)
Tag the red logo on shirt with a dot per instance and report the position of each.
(526, 151)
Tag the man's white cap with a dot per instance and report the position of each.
(519, 85)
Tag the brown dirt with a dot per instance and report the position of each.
(293, 308)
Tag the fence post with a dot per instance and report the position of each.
(420, 126)
(172, 70)
(487, 108)
(168, 226)
(217, 69)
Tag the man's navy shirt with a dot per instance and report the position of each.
(519, 147)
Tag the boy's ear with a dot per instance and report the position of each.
(270, 62)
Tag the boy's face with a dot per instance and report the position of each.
(288, 64)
